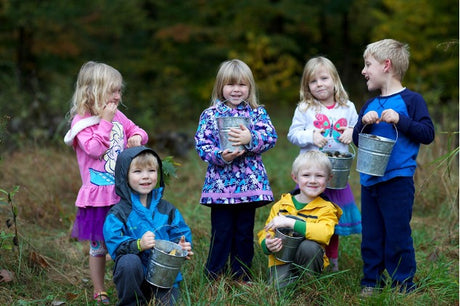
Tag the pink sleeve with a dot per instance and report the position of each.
(95, 140)
(132, 129)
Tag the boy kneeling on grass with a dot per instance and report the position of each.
(132, 226)
(306, 212)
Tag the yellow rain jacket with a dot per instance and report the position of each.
(320, 215)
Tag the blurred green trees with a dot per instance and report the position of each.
(169, 52)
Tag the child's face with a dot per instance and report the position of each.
(321, 86)
(312, 181)
(142, 179)
(114, 96)
(374, 73)
(235, 93)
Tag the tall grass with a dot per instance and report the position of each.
(51, 267)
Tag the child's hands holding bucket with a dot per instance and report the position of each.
(318, 139)
(280, 221)
(229, 156)
(347, 135)
(147, 241)
(187, 246)
(389, 116)
(241, 136)
(370, 118)
(273, 244)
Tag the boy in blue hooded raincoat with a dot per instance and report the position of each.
(132, 226)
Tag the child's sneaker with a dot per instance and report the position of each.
(334, 264)
(367, 292)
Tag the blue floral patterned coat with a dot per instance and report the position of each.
(244, 179)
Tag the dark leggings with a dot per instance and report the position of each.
(232, 235)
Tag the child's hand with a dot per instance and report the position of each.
(187, 246)
(389, 116)
(109, 111)
(347, 135)
(134, 141)
(318, 139)
(147, 241)
(239, 137)
(280, 221)
(229, 156)
(273, 244)
(370, 118)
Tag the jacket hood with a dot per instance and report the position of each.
(122, 167)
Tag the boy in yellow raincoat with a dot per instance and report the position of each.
(307, 213)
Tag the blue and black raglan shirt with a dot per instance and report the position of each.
(414, 128)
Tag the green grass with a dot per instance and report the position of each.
(51, 267)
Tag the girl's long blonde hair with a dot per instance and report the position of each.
(234, 71)
(311, 67)
(95, 83)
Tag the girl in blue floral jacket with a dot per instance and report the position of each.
(236, 181)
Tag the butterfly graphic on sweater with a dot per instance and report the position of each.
(331, 128)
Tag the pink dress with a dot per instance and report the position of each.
(97, 144)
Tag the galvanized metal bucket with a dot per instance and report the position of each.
(225, 124)
(341, 165)
(374, 153)
(291, 241)
(164, 264)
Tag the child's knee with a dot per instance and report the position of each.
(129, 263)
(310, 255)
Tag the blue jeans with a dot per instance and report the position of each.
(386, 237)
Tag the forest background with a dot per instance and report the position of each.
(168, 53)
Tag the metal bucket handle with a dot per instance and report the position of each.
(164, 225)
(353, 148)
(223, 102)
(394, 125)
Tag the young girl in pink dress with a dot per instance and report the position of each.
(98, 133)
(324, 120)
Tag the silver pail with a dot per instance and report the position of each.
(374, 153)
(291, 241)
(225, 124)
(341, 165)
(163, 266)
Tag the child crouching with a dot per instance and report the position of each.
(132, 226)
(307, 213)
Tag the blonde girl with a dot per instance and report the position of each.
(236, 182)
(98, 133)
(324, 120)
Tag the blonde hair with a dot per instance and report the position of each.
(311, 68)
(310, 158)
(144, 160)
(233, 72)
(95, 84)
(397, 52)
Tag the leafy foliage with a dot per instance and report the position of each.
(169, 168)
(9, 222)
(169, 51)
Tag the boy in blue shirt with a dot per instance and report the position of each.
(386, 201)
